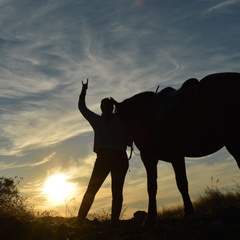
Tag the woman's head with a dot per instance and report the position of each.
(107, 106)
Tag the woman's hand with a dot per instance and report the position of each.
(85, 85)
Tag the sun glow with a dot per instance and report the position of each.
(58, 189)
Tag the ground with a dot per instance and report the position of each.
(222, 226)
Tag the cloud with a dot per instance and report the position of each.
(37, 127)
(222, 6)
(45, 160)
(45, 70)
(6, 165)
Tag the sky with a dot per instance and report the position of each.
(123, 47)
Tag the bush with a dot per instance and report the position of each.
(11, 203)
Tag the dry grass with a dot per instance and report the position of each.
(212, 202)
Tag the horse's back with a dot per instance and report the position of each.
(221, 89)
(219, 102)
(221, 81)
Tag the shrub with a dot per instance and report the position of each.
(11, 203)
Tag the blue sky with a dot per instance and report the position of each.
(124, 47)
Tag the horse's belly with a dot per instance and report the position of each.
(200, 149)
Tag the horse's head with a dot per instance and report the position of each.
(119, 109)
(130, 108)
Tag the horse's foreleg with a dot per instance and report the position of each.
(182, 183)
(151, 168)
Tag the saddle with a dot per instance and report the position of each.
(171, 99)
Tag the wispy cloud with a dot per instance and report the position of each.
(45, 160)
(222, 6)
(6, 165)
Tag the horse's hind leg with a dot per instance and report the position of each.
(234, 149)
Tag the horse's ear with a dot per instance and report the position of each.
(114, 101)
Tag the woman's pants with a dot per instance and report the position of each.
(108, 161)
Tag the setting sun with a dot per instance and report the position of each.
(57, 188)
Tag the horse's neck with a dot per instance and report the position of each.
(141, 101)
(136, 108)
(141, 118)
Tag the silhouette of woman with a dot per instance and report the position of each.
(110, 143)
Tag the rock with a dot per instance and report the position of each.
(140, 216)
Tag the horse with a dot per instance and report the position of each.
(196, 120)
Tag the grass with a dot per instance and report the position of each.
(212, 202)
